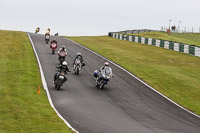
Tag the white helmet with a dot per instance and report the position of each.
(64, 63)
(106, 64)
(79, 53)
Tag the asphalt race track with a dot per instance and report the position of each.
(124, 106)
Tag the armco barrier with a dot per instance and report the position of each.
(188, 49)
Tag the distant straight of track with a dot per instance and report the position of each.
(124, 106)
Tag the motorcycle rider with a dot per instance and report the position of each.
(103, 70)
(54, 41)
(48, 31)
(62, 49)
(37, 30)
(80, 57)
(65, 69)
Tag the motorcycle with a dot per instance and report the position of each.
(37, 30)
(61, 57)
(47, 38)
(56, 34)
(59, 80)
(53, 47)
(102, 78)
(77, 66)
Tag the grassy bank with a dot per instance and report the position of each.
(175, 74)
(190, 39)
(21, 109)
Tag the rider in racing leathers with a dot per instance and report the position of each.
(102, 70)
(60, 50)
(63, 67)
(80, 57)
(54, 41)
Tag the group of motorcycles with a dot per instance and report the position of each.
(102, 77)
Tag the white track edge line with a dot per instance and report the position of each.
(136, 78)
(46, 88)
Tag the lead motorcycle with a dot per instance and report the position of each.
(60, 79)
(37, 30)
(47, 38)
(77, 66)
(102, 77)
(61, 56)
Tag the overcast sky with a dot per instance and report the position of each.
(97, 17)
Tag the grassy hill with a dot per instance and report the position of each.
(174, 74)
(185, 38)
(21, 109)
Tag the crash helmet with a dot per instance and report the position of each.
(106, 64)
(78, 53)
(54, 39)
(63, 47)
(64, 63)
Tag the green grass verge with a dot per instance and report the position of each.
(190, 39)
(174, 74)
(21, 109)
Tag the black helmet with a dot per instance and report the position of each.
(63, 46)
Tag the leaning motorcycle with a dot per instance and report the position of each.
(77, 66)
(47, 38)
(102, 78)
(54, 47)
(59, 80)
(61, 56)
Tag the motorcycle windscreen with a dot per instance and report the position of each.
(53, 45)
(62, 53)
(78, 61)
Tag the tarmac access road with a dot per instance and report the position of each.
(124, 106)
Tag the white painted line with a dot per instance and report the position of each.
(45, 86)
(135, 78)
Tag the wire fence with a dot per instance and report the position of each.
(192, 34)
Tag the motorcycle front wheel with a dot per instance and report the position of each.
(77, 71)
(101, 86)
(58, 84)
